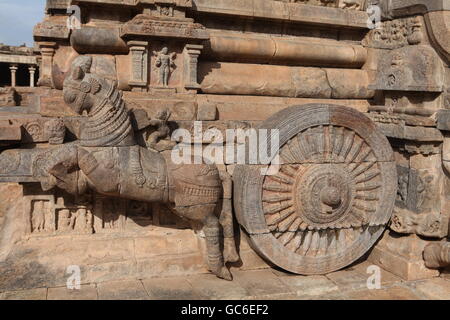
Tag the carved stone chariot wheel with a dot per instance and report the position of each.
(331, 197)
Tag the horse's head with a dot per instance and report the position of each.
(81, 87)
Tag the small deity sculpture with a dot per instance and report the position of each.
(39, 216)
(163, 131)
(164, 62)
(65, 220)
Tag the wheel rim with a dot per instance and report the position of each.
(332, 197)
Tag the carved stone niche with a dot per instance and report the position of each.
(412, 68)
(173, 66)
(172, 62)
(57, 213)
(110, 214)
(51, 214)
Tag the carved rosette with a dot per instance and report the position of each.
(331, 198)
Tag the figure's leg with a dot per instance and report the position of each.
(226, 220)
(59, 163)
(215, 256)
(166, 77)
(206, 214)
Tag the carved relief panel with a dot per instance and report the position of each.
(166, 66)
(397, 33)
(58, 213)
(343, 4)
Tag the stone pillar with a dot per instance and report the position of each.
(191, 54)
(13, 69)
(139, 65)
(32, 70)
(47, 52)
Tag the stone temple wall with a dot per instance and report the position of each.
(233, 65)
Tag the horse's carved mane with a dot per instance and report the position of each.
(108, 124)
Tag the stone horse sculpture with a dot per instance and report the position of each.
(107, 159)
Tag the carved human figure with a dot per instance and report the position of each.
(162, 131)
(108, 160)
(82, 219)
(38, 216)
(64, 220)
(164, 61)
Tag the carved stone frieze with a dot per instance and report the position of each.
(52, 30)
(412, 68)
(343, 4)
(147, 25)
(397, 33)
(433, 225)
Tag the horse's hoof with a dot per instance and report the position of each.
(225, 274)
(229, 251)
(231, 256)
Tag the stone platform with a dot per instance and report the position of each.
(266, 284)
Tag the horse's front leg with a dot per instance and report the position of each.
(61, 169)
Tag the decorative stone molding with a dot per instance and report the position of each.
(46, 67)
(139, 65)
(411, 68)
(433, 225)
(342, 4)
(51, 29)
(98, 40)
(151, 26)
(191, 54)
(324, 13)
(227, 46)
